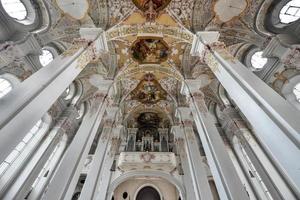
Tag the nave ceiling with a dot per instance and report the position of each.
(154, 37)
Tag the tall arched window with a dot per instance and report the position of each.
(15, 9)
(296, 92)
(5, 87)
(20, 147)
(257, 61)
(290, 12)
(81, 111)
(46, 57)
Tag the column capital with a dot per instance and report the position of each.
(177, 131)
(185, 115)
(201, 39)
(67, 122)
(193, 86)
(232, 123)
(111, 112)
(97, 36)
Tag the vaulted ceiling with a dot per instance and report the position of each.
(150, 41)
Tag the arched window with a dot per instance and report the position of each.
(67, 91)
(5, 87)
(81, 111)
(46, 57)
(257, 61)
(15, 9)
(20, 147)
(290, 12)
(296, 92)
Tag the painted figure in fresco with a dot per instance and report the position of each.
(151, 8)
(149, 91)
(149, 51)
(157, 4)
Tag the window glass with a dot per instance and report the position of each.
(290, 12)
(5, 87)
(15, 9)
(257, 61)
(81, 111)
(16, 152)
(46, 57)
(296, 91)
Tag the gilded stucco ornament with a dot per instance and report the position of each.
(211, 61)
(88, 55)
(151, 8)
(122, 31)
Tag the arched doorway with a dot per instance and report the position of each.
(148, 193)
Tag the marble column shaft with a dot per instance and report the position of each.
(195, 177)
(238, 134)
(226, 178)
(66, 125)
(93, 176)
(65, 179)
(106, 173)
(30, 100)
(201, 185)
(274, 120)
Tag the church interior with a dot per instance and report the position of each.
(149, 99)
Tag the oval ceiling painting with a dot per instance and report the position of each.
(157, 5)
(150, 50)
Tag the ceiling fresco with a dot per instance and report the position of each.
(154, 37)
(144, 5)
(150, 50)
(149, 91)
(151, 8)
(138, 42)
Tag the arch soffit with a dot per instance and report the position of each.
(130, 175)
(122, 31)
(148, 185)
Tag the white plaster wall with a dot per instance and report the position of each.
(167, 190)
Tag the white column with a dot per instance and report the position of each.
(23, 183)
(226, 178)
(275, 121)
(65, 179)
(267, 180)
(196, 166)
(30, 100)
(105, 175)
(188, 175)
(90, 184)
(243, 175)
(49, 168)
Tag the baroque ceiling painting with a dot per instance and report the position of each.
(139, 92)
(144, 5)
(150, 50)
(149, 91)
(151, 8)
